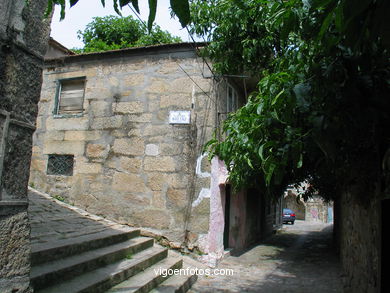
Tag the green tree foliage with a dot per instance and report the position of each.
(114, 32)
(180, 8)
(322, 108)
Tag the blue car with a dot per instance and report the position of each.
(288, 216)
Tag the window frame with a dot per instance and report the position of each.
(231, 104)
(57, 101)
(56, 174)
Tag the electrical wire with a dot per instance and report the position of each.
(204, 60)
(198, 146)
(188, 75)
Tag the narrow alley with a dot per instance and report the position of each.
(298, 259)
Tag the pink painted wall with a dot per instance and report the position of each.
(217, 221)
(246, 212)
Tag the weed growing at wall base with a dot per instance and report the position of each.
(59, 197)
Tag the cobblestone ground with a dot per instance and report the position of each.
(54, 222)
(298, 259)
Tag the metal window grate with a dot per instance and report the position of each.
(60, 165)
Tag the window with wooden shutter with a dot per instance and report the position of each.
(232, 99)
(70, 96)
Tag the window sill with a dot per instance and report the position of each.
(61, 116)
(59, 175)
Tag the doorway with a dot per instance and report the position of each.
(226, 228)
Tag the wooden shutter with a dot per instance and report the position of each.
(229, 107)
(71, 96)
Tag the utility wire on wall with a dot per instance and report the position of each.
(196, 150)
(179, 65)
(204, 60)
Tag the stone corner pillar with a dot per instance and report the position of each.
(23, 42)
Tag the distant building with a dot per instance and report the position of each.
(314, 209)
(55, 50)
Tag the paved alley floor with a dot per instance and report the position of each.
(298, 259)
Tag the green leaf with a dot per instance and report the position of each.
(133, 2)
(62, 12)
(182, 9)
(325, 24)
(210, 142)
(263, 147)
(135, 5)
(339, 18)
(124, 2)
(261, 151)
(49, 8)
(300, 162)
(269, 174)
(277, 97)
(152, 13)
(259, 108)
(248, 160)
(73, 2)
(116, 7)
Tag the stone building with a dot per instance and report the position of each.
(55, 50)
(315, 209)
(120, 133)
(23, 41)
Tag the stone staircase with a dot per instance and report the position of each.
(117, 262)
(75, 251)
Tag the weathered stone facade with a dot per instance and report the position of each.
(318, 210)
(315, 209)
(359, 232)
(23, 42)
(130, 163)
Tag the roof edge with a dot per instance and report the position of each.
(60, 47)
(127, 51)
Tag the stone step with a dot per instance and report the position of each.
(148, 279)
(44, 252)
(176, 283)
(49, 273)
(102, 279)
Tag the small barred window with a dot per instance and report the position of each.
(60, 165)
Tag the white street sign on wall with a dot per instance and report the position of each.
(179, 117)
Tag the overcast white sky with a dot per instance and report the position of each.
(81, 14)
